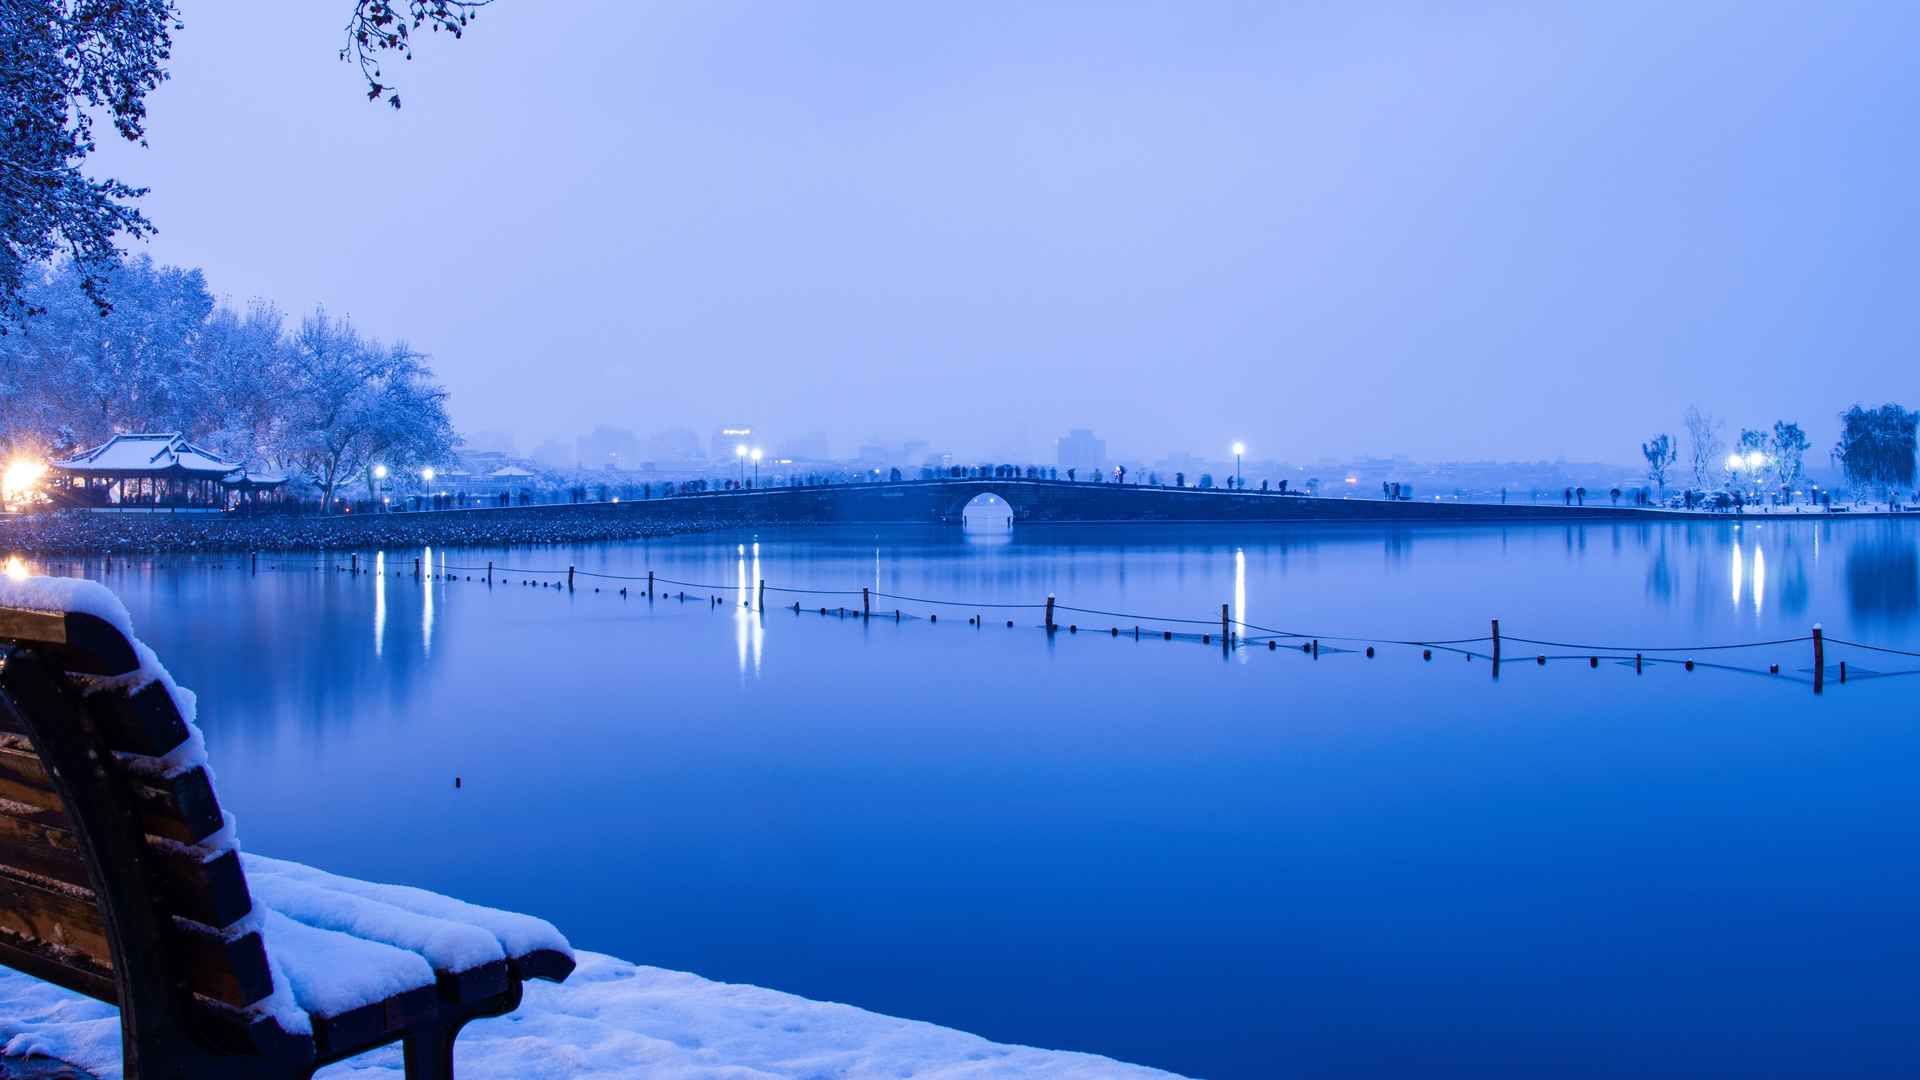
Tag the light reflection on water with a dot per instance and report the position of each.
(379, 602)
(1392, 861)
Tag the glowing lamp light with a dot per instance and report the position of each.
(740, 450)
(1755, 459)
(1239, 448)
(756, 453)
(16, 569)
(379, 472)
(427, 475)
(1735, 461)
(20, 477)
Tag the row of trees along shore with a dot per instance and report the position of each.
(317, 401)
(1876, 452)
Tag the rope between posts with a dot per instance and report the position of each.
(1652, 648)
(1127, 615)
(951, 603)
(1870, 648)
(1580, 649)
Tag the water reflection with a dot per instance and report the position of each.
(749, 616)
(1883, 573)
(379, 602)
(1739, 573)
(426, 606)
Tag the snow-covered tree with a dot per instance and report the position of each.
(354, 403)
(1660, 453)
(1876, 447)
(64, 64)
(1703, 444)
(1789, 448)
(244, 360)
(127, 371)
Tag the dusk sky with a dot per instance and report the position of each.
(1451, 231)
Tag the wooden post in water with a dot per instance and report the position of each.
(1496, 648)
(1226, 634)
(649, 584)
(1049, 613)
(762, 602)
(1819, 659)
(489, 571)
(356, 561)
(256, 562)
(866, 602)
(416, 567)
(569, 579)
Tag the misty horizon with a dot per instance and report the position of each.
(1529, 235)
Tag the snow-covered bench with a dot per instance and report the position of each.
(120, 878)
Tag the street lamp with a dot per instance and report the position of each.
(1239, 448)
(756, 466)
(740, 455)
(427, 474)
(379, 474)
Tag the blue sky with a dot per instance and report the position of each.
(1453, 231)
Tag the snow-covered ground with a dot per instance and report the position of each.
(616, 1019)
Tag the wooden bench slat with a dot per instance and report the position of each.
(143, 722)
(231, 972)
(84, 643)
(234, 972)
(42, 850)
(67, 920)
(213, 893)
(370, 1025)
(71, 972)
(181, 808)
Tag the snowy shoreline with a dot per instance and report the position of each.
(80, 533)
(610, 1019)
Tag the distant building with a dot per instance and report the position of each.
(728, 438)
(1079, 450)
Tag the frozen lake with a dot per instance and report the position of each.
(1228, 865)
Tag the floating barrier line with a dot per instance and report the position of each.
(950, 603)
(1652, 648)
(1871, 648)
(1127, 615)
(1440, 643)
(1248, 634)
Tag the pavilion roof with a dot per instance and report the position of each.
(148, 454)
(243, 478)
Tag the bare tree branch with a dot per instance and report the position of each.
(379, 27)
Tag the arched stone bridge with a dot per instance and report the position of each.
(932, 502)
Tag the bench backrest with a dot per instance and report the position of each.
(113, 878)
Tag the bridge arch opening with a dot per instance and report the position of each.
(987, 514)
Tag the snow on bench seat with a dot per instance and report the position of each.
(332, 973)
(518, 935)
(613, 1019)
(445, 945)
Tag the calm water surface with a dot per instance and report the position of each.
(1245, 865)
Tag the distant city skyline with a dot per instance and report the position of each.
(1520, 233)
